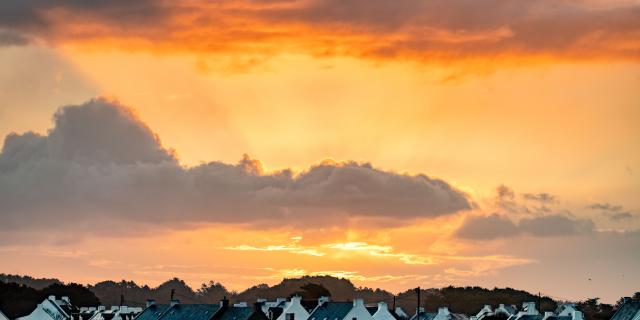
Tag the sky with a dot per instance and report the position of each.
(397, 144)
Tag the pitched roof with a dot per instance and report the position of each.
(191, 312)
(627, 311)
(531, 317)
(331, 311)
(153, 312)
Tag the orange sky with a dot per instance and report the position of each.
(538, 97)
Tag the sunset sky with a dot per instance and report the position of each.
(395, 143)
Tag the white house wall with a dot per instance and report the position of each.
(359, 312)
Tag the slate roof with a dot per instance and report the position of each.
(153, 312)
(191, 312)
(331, 311)
(236, 313)
(627, 311)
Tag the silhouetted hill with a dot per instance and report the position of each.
(19, 296)
(17, 300)
(28, 281)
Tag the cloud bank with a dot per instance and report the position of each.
(100, 166)
(499, 226)
(434, 30)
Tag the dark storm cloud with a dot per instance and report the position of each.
(101, 166)
(499, 226)
(416, 29)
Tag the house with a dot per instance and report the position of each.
(358, 311)
(115, 313)
(54, 309)
(294, 310)
(630, 310)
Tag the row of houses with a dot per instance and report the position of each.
(295, 308)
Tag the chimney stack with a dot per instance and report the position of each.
(150, 302)
(174, 302)
(322, 300)
(358, 302)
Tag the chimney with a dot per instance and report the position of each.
(322, 300)
(101, 308)
(296, 299)
(443, 311)
(224, 303)
(578, 315)
(150, 302)
(358, 302)
(261, 300)
(241, 304)
(280, 300)
(66, 299)
(52, 298)
(174, 302)
(382, 305)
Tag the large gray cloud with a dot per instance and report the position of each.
(100, 165)
(499, 226)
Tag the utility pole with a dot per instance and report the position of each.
(173, 291)
(121, 299)
(539, 301)
(418, 304)
(394, 302)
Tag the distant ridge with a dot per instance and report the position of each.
(467, 300)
